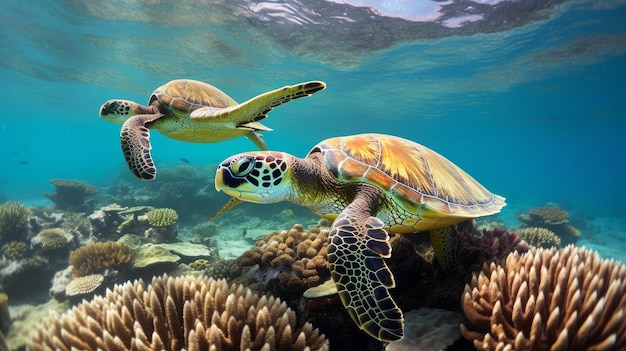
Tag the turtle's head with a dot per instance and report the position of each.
(117, 111)
(260, 177)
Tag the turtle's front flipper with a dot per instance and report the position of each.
(135, 139)
(358, 244)
(257, 108)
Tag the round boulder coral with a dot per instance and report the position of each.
(295, 257)
(190, 313)
(53, 239)
(162, 217)
(539, 237)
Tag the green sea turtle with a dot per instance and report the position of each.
(193, 111)
(366, 184)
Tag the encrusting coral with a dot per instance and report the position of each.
(190, 313)
(99, 256)
(295, 257)
(539, 237)
(72, 195)
(13, 221)
(162, 217)
(548, 299)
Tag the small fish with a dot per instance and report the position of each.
(23, 162)
(184, 160)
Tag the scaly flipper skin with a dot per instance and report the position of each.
(358, 244)
(259, 106)
(135, 140)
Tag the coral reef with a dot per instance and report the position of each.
(98, 257)
(548, 299)
(552, 218)
(539, 237)
(162, 217)
(290, 261)
(225, 269)
(193, 313)
(200, 264)
(27, 278)
(14, 250)
(72, 195)
(27, 319)
(13, 221)
(53, 239)
(83, 285)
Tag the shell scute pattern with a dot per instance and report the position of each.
(184, 96)
(418, 179)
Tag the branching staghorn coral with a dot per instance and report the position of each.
(191, 313)
(97, 257)
(548, 300)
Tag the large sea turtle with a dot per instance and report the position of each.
(193, 111)
(366, 184)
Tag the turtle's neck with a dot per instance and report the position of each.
(316, 188)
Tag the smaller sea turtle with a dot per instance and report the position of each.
(367, 184)
(193, 111)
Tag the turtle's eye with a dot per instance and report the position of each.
(242, 166)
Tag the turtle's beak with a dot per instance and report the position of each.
(236, 187)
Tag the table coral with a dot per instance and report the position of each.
(13, 221)
(99, 256)
(192, 313)
(548, 299)
(291, 260)
(72, 195)
(553, 218)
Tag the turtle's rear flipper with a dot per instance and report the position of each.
(357, 246)
(257, 108)
(135, 140)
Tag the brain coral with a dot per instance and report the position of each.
(548, 299)
(162, 217)
(97, 257)
(539, 237)
(297, 258)
(184, 313)
(14, 250)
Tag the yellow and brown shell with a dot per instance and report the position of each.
(418, 179)
(182, 96)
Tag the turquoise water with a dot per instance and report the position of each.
(531, 103)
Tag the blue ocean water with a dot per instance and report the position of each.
(527, 97)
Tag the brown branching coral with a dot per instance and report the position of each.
(184, 313)
(539, 237)
(548, 300)
(297, 258)
(97, 257)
